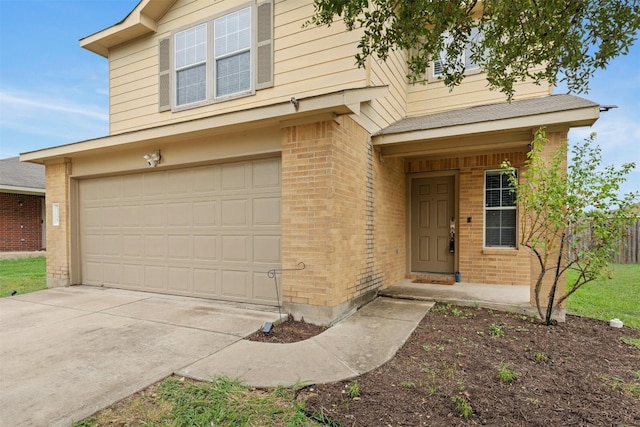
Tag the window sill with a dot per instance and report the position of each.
(500, 251)
(213, 101)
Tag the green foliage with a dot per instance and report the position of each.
(495, 330)
(582, 200)
(542, 357)
(614, 294)
(353, 389)
(23, 275)
(506, 374)
(544, 41)
(463, 407)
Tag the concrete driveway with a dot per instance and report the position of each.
(68, 352)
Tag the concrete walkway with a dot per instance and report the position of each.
(67, 352)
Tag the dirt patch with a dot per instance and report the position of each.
(496, 369)
(288, 331)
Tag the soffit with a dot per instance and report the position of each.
(317, 108)
(522, 115)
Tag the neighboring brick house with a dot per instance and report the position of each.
(22, 209)
(242, 141)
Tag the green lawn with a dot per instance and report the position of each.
(606, 299)
(22, 275)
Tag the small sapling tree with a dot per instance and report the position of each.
(572, 218)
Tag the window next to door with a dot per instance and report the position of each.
(499, 211)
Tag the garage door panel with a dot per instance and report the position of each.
(132, 275)
(178, 214)
(154, 276)
(132, 186)
(206, 282)
(205, 248)
(235, 248)
(112, 274)
(264, 289)
(91, 216)
(206, 180)
(154, 246)
(205, 213)
(233, 177)
(112, 188)
(179, 280)
(234, 213)
(132, 245)
(266, 173)
(266, 249)
(211, 231)
(153, 215)
(112, 244)
(235, 284)
(131, 216)
(154, 184)
(92, 273)
(266, 211)
(178, 247)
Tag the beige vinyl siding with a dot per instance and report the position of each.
(393, 73)
(435, 96)
(308, 61)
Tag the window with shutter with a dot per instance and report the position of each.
(218, 59)
(499, 211)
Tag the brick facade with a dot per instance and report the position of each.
(20, 222)
(58, 237)
(327, 219)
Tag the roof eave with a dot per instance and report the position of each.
(586, 116)
(141, 20)
(15, 189)
(282, 113)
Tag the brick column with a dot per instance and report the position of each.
(58, 234)
(327, 219)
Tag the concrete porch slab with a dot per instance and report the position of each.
(499, 297)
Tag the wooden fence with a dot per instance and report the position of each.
(629, 249)
(629, 252)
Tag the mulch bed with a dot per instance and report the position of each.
(576, 373)
(288, 331)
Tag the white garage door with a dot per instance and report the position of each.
(210, 231)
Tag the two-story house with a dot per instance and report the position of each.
(242, 141)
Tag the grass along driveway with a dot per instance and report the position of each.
(23, 275)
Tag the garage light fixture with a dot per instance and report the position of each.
(153, 159)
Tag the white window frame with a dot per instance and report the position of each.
(211, 77)
(469, 66)
(486, 209)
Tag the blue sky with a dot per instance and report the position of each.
(53, 92)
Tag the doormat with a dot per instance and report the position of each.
(435, 281)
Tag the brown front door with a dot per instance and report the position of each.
(432, 209)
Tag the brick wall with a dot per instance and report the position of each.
(327, 219)
(58, 240)
(20, 222)
(476, 263)
(390, 200)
